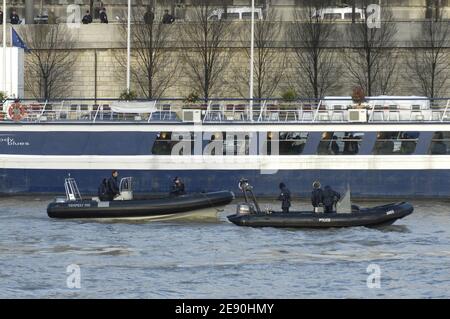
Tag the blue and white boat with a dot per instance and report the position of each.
(389, 146)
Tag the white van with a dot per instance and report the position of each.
(344, 13)
(238, 13)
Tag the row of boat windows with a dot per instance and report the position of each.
(293, 143)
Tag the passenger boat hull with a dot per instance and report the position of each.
(36, 157)
(364, 183)
(204, 204)
(370, 217)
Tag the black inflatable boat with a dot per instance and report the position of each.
(124, 207)
(249, 214)
(370, 217)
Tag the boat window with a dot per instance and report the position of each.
(232, 144)
(164, 144)
(440, 144)
(290, 143)
(236, 144)
(396, 143)
(340, 143)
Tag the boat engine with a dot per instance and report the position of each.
(245, 209)
(250, 199)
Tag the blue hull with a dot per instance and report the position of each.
(363, 183)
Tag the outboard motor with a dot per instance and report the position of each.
(245, 209)
(247, 190)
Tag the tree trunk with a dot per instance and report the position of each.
(353, 11)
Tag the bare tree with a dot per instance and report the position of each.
(152, 68)
(428, 62)
(205, 56)
(317, 67)
(269, 61)
(50, 61)
(370, 61)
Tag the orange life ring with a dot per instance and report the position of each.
(16, 111)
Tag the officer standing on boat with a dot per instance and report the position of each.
(103, 193)
(285, 198)
(330, 198)
(316, 196)
(177, 187)
(113, 185)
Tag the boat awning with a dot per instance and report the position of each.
(133, 106)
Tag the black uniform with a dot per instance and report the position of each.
(285, 198)
(330, 198)
(103, 17)
(316, 197)
(15, 18)
(168, 18)
(103, 190)
(113, 187)
(87, 19)
(177, 189)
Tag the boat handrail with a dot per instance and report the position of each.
(126, 184)
(72, 191)
(444, 115)
(43, 110)
(96, 113)
(125, 189)
(386, 110)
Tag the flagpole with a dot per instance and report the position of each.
(4, 47)
(252, 44)
(128, 45)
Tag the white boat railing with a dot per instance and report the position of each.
(444, 115)
(72, 191)
(225, 111)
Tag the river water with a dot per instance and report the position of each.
(46, 258)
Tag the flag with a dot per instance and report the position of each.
(17, 41)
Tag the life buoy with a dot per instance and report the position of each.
(16, 111)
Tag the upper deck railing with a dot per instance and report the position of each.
(385, 109)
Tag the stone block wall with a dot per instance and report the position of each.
(106, 42)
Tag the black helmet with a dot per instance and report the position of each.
(282, 185)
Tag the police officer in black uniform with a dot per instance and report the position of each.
(285, 198)
(103, 190)
(14, 18)
(330, 198)
(113, 185)
(177, 187)
(103, 17)
(316, 196)
(87, 18)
